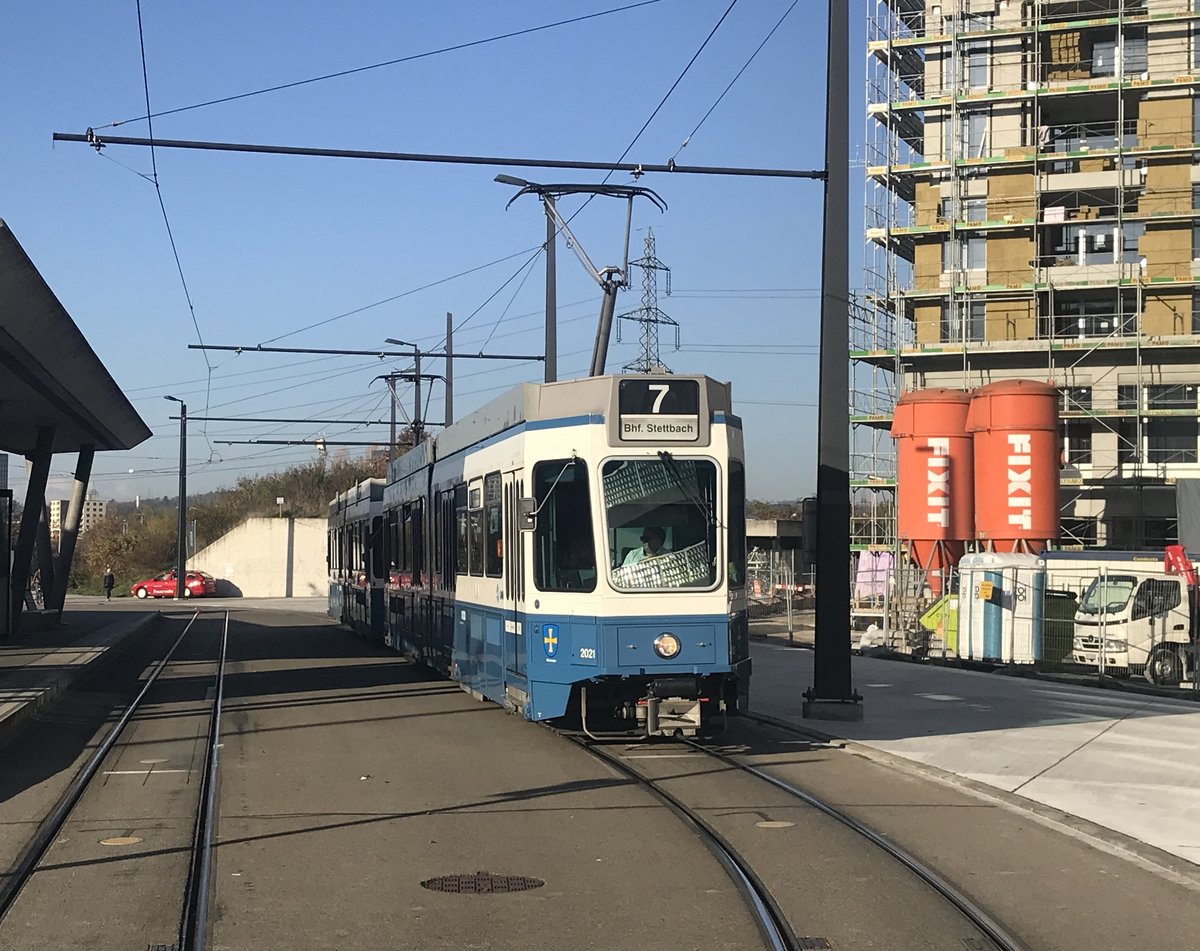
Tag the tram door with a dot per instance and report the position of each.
(515, 560)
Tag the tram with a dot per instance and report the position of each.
(356, 559)
(576, 552)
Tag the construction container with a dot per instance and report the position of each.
(935, 511)
(1000, 614)
(1014, 424)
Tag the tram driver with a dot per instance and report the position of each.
(653, 545)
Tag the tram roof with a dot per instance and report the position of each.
(565, 400)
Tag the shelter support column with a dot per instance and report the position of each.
(35, 502)
(69, 531)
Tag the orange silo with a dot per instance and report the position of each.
(934, 463)
(1015, 428)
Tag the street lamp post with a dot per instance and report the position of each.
(181, 569)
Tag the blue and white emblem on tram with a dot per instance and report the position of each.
(550, 639)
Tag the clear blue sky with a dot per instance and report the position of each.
(271, 244)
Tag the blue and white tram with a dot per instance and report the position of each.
(576, 551)
(356, 557)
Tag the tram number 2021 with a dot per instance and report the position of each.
(587, 653)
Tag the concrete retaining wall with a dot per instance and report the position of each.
(268, 558)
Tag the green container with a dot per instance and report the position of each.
(1058, 637)
(943, 614)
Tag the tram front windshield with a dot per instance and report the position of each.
(661, 521)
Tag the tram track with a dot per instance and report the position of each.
(38, 852)
(774, 924)
(995, 933)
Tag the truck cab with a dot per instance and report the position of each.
(1135, 615)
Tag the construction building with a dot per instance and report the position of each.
(1032, 211)
(94, 509)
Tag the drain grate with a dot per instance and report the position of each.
(481, 883)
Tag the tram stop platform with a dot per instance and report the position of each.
(38, 667)
(1117, 767)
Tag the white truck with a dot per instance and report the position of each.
(1136, 611)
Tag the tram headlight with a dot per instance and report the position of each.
(667, 646)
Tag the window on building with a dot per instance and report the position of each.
(1077, 442)
(1171, 396)
(963, 321)
(975, 209)
(975, 65)
(1135, 52)
(1128, 450)
(975, 252)
(974, 133)
(1171, 439)
(1075, 398)
(1104, 57)
(1131, 237)
(1127, 397)
(1079, 531)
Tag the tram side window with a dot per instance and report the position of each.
(378, 567)
(460, 515)
(475, 529)
(406, 541)
(393, 541)
(417, 520)
(494, 515)
(435, 540)
(737, 525)
(564, 546)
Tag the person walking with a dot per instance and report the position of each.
(109, 582)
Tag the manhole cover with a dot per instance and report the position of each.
(481, 883)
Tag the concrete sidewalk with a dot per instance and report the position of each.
(37, 668)
(1125, 762)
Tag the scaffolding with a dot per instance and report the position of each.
(1031, 211)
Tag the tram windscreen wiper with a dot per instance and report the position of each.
(672, 468)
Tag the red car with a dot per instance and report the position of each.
(163, 586)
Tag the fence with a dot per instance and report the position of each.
(774, 586)
(1113, 616)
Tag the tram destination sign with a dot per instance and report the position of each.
(659, 410)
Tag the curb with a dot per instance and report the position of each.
(40, 697)
(1165, 863)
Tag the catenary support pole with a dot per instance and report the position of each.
(551, 292)
(831, 695)
(449, 368)
(391, 384)
(416, 420)
(181, 541)
(69, 530)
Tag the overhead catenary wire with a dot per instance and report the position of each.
(688, 138)
(392, 62)
(162, 204)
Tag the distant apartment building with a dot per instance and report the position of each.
(94, 510)
(1033, 211)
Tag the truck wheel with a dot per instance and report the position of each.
(1165, 667)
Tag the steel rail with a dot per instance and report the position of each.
(992, 929)
(776, 931)
(49, 828)
(193, 923)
